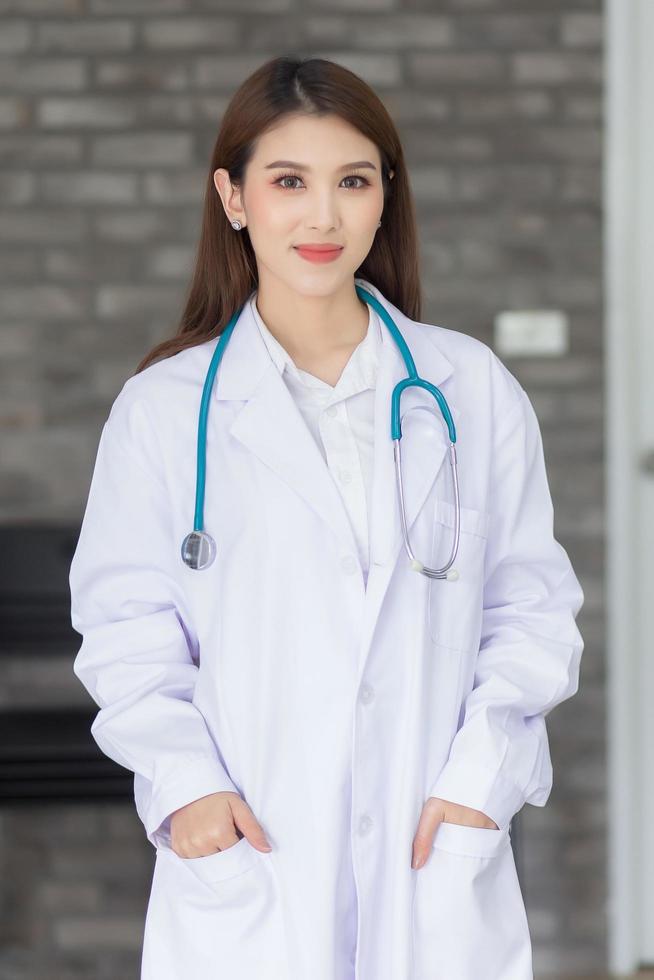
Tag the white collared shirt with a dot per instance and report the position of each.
(340, 418)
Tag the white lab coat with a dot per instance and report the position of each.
(335, 711)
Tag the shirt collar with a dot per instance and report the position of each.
(359, 373)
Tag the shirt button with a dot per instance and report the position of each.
(367, 693)
(332, 411)
(349, 564)
(345, 476)
(365, 823)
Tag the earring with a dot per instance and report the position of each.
(236, 224)
(379, 225)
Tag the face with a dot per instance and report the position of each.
(322, 199)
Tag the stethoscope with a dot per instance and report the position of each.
(199, 548)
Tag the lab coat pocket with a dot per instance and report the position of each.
(455, 607)
(232, 861)
(215, 915)
(468, 913)
(472, 841)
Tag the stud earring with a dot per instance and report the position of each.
(379, 225)
(236, 224)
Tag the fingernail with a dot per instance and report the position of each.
(417, 862)
(267, 846)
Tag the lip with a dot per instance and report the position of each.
(318, 253)
(319, 248)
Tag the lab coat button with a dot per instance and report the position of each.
(367, 693)
(346, 476)
(331, 411)
(365, 823)
(349, 564)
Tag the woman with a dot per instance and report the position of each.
(328, 746)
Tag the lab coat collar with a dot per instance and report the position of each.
(360, 371)
(270, 425)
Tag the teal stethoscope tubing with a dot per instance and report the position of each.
(199, 548)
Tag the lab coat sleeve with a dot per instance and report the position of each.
(530, 647)
(136, 654)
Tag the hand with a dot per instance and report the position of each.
(210, 824)
(436, 811)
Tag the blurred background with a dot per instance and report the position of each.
(527, 126)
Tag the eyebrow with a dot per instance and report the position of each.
(359, 164)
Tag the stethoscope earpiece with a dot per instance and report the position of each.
(417, 566)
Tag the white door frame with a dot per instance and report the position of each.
(627, 296)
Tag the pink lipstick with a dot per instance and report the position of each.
(319, 253)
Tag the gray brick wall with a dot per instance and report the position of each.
(108, 111)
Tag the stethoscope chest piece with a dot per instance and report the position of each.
(198, 550)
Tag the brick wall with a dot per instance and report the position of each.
(108, 111)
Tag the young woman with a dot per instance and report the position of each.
(330, 719)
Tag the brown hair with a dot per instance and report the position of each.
(225, 272)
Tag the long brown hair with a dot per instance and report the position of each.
(225, 272)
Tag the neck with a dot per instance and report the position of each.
(311, 327)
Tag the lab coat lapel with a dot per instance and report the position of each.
(271, 426)
(424, 445)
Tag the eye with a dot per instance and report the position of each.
(290, 176)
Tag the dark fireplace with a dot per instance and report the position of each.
(46, 749)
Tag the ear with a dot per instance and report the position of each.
(230, 195)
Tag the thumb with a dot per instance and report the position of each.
(248, 824)
(430, 818)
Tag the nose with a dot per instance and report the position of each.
(322, 211)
